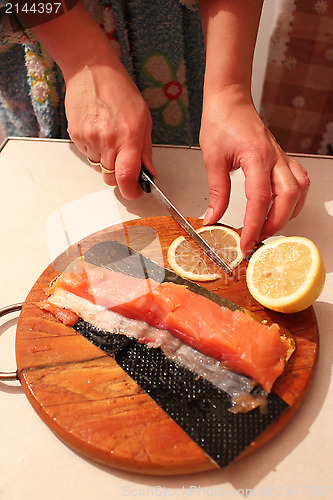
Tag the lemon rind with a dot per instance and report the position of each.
(312, 285)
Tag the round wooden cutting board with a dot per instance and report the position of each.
(91, 404)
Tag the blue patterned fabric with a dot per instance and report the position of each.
(161, 45)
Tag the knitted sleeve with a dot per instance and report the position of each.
(11, 30)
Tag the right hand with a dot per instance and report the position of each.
(108, 119)
(109, 122)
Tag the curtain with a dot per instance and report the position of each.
(297, 99)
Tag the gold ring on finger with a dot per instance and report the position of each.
(94, 163)
(106, 170)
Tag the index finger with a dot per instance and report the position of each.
(127, 170)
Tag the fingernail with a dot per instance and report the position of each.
(208, 216)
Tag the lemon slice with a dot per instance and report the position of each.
(190, 262)
(286, 275)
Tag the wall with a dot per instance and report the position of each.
(262, 46)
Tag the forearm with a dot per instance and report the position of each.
(230, 30)
(74, 40)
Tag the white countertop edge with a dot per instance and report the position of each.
(180, 146)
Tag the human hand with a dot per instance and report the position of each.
(232, 135)
(108, 119)
(110, 123)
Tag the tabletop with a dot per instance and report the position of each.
(50, 198)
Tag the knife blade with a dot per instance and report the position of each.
(146, 181)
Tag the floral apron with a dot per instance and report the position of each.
(161, 45)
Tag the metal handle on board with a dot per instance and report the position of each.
(7, 376)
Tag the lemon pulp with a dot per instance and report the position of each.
(189, 261)
(287, 274)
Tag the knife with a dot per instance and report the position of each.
(146, 181)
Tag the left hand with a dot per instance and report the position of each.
(232, 135)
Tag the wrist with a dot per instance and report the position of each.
(230, 93)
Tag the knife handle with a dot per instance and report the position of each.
(142, 181)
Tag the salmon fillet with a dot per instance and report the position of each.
(243, 344)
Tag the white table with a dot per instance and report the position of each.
(50, 197)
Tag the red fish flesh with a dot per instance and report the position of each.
(241, 343)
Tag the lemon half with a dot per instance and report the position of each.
(286, 275)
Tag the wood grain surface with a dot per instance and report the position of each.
(92, 405)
